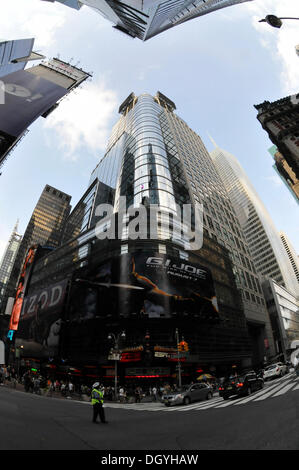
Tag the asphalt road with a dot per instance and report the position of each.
(32, 422)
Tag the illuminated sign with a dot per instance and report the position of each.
(130, 357)
(10, 334)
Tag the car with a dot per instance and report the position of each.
(241, 385)
(275, 370)
(188, 394)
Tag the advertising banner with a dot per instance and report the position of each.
(27, 96)
(40, 321)
(136, 285)
(154, 285)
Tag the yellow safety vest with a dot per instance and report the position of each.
(96, 396)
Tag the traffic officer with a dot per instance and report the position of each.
(97, 401)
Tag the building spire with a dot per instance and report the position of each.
(213, 141)
(16, 228)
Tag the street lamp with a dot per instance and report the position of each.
(275, 21)
(116, 339)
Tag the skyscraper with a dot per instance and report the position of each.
(267, 252)
(31, 93)
(147, 18)
(285, 172)
(293, 257)
(8, 259)
(15, 54)
(280, 120)
(154, 154)
(149, 286)
(44, 228)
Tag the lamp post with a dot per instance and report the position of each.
(275, 21)
(116, 339)
(179, 358)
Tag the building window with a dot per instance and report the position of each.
(162, 248)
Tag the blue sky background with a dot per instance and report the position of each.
(215, 68)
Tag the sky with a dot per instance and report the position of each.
(215, 68)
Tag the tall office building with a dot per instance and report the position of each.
(8, 259)
(44, 228)
(31, 93)
(15, 54)
(147, 18)
(152, 154)
(280, 120)
(285, 172)
(267, 252)
(293, 257)
(283, 308)
(151, 286)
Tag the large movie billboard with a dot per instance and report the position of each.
(40, 321)
(146, 284)
(26, 97)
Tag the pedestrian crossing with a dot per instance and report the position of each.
(278, 387)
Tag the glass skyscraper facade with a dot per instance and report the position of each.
(15, 54)
(149, 286)
(8, 259)
(147, 18)
(161, 159)
(265, 246)
(45, 228)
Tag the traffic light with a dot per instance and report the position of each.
(183, 346)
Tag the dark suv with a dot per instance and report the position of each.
(243, 384)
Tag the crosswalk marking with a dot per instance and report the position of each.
(197, 406)
(263, 393)
(283, 390)
(273, 390)
(280, 387)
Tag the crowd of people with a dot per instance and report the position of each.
(34, 382)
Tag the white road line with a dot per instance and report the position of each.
(283, 390)
(253, 396)
(296, 388)
(197, 406)
(271, 392)
(261, 393)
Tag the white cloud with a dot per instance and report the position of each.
(275, 179)
(279, 42)
(84, 118)
(37, 19)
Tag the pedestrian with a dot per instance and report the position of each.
(137, 395)
(122, 395)
(97, 401)
(36, 385)
(70, 389)
(154, 392)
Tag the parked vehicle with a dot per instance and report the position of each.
(188, 394)
(244, 384)
(275, 370)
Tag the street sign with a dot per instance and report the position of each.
(161, 354)
(114, 357)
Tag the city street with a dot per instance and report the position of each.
(267, 420)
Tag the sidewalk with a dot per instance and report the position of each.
(75, 396)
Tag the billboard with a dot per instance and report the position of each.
(40, 321)
(137, 286)
(26, 97)
(23, 281)
(146, 284)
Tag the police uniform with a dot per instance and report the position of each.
(97, 400)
